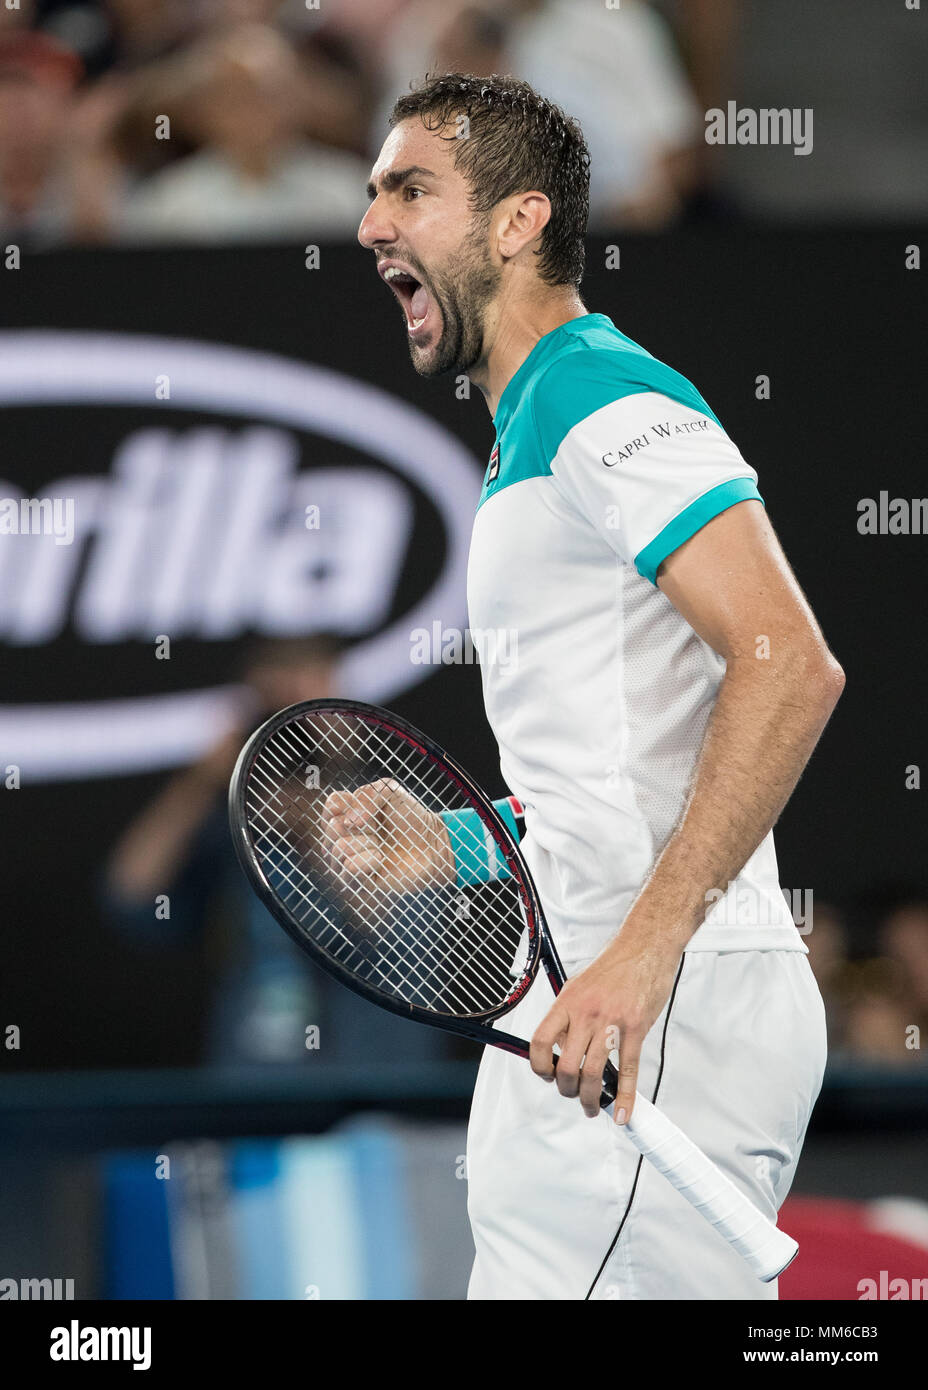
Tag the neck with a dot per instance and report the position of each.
(513, 330)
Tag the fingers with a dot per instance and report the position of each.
(591, 1077)
(584, 1052)
(568, 1068)
(381, 828)
(570, 1062)
(348, 812)
(629, 1059)
(358, 856)
(350, 826)
(335, 810)
(351, 813)
(547, 1035)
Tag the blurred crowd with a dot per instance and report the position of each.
(871, 963)
(132, 121)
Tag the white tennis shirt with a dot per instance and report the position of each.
(597, 690)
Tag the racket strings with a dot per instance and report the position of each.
(396, 974)
(435, 967)
(397, 918)
(390, 975)
(450, 957)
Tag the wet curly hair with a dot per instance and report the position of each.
(517, 140)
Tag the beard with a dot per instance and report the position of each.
(461, 296)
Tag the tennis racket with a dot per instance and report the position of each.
(384, 861)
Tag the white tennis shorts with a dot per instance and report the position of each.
(563, 1207)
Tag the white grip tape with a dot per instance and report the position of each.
(767, 1249)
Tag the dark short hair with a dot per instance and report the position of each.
(517, 140)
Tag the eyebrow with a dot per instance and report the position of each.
(393, 178)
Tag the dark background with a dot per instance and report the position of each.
(832, 317)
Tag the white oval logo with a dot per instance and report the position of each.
(249, 474)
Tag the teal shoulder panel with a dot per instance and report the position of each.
(517, 453)
(570, 374)
(593, 376)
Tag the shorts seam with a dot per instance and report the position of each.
(657, 1085)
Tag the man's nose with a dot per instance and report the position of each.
(375, 229)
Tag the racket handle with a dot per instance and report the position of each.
(766, 1249)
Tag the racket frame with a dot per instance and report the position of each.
(475, 1026)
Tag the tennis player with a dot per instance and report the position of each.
(669, 687)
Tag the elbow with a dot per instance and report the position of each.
(836, 678)
(831, 681)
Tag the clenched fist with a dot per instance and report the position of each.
(381, 837)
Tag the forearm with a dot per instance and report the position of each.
(763, 728)
(153, 849)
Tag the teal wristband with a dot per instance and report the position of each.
(476, 855)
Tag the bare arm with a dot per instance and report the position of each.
(734, 587)
(154, 848)
(769, 715)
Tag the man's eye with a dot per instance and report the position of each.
(408, 192)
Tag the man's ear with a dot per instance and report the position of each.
(525, 216)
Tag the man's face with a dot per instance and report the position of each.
(430, 249)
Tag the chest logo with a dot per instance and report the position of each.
(493, 471)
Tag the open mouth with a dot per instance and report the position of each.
(412, 295)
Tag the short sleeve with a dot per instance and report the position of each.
(648, 472)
